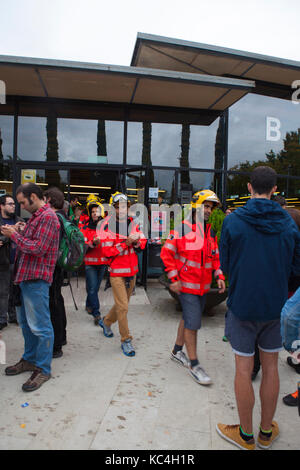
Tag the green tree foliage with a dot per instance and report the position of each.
(216, 220)
(285, 162)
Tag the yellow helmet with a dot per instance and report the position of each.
(92, 197)
(204, 195)
(94, 203)
(116, 197)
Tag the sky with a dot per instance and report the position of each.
(104, 31)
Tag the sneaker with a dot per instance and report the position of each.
(127, 348)
(266, 442)
(291, 399)
(35, 381)
(106, 329)
(199, 374)
(21, 366)
(181, 358)
(294, 365)
(231, 433)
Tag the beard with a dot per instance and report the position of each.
(9, 215)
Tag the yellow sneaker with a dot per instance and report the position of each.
(266, 442)
(231, 433)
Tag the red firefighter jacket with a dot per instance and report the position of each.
(191, 257)
(122, 259)
(94, 254)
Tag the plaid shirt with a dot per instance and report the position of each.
(37, 247)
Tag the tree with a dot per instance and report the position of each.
(185, 149)
(285, 162)
(101, 138)
(146, 150)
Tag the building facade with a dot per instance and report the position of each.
(183, 117)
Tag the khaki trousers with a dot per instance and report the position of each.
(120, 309)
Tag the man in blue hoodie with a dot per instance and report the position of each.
(259, 248)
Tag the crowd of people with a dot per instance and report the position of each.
(258, 254)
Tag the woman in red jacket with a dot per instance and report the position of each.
(120, 239)
(95, 262)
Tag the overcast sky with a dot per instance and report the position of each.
(104, 31)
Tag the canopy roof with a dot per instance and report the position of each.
(46, 78)
(273, 76)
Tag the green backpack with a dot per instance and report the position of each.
(71, 247)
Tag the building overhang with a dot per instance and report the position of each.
(273, 76)
(136, 86)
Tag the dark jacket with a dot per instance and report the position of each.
(5, 248)
(259, 249)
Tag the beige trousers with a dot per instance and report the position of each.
(120, 309)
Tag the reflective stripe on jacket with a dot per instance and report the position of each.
(94, 255)
(122, 259)
(191, 257)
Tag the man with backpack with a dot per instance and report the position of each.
(37, 249)
(55, 198)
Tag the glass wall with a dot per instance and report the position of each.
(135, 186)
(6, 137)
(193, 181)
(46, 178)
(175, 145)
(85, 181)
(264, 130)
(237, 191)
(162, 186)
(52, 139)
(90, 141)
(6, 153)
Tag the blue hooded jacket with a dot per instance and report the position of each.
(259, 249)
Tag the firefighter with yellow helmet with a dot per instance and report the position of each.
(95, 262)
(190, 256)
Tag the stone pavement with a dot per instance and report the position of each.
(99, 399)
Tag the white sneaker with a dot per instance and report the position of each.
(199, 375)
(180, 358)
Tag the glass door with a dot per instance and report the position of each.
(45, 178)
(101, 182)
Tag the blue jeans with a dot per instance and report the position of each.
(34, 319)
(290, 322)
(94, 275)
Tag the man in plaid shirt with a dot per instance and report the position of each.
(37, 250)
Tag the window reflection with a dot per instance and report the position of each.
(135, 186)
(164, 181)
(90, 141)
(238, 195)
(192, 181)
(6, 137)
(46, 179)
(6, 179)
(70, 140)
(175, 145)
(264, 130)
(32, 138)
